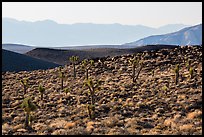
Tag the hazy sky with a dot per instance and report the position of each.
(152, 14)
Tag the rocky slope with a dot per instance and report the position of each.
(146, 108)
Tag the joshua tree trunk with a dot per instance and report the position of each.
(177, 78)
(74, 71)
(87, 75)
(24, 89)
(92, 99)
(138, 73)
(41, 96)
(89, 111)
(191, 76)
(27, 120)
(133, 73)
(17, 93)
(62, 83)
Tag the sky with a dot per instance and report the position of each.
(152, 14)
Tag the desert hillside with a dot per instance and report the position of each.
(153, 105)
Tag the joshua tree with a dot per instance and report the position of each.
(135, 64)
(67, 90)
(188, 64)
(91, 110)
(93, 87)
(164, 88)
(87, 65)
(28, 107)
(176, 70)
(74, 60)
(41, 90)
(24, 82)
(61, 75)
(191, 72)
(152, 73)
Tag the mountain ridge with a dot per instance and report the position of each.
(186, 36)
(34, 33)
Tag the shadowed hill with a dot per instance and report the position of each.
(18, 48)
(61, 56)
(12, 61)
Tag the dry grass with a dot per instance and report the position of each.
(168, 122)
(70, 125)
(186, 127)
(195, 114)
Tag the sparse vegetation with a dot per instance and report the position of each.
(152, 73)
(28, 107)
(67, 90)
(93, 87)
(191, 72)
(154, 105)
(74, 60)
(24, 82)
(164, 88)
(41, 90)
(137, 66)
(86, 64)
(91, 110)
(188, 64)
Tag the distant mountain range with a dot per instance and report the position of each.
(187, 36)
(48, 33)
